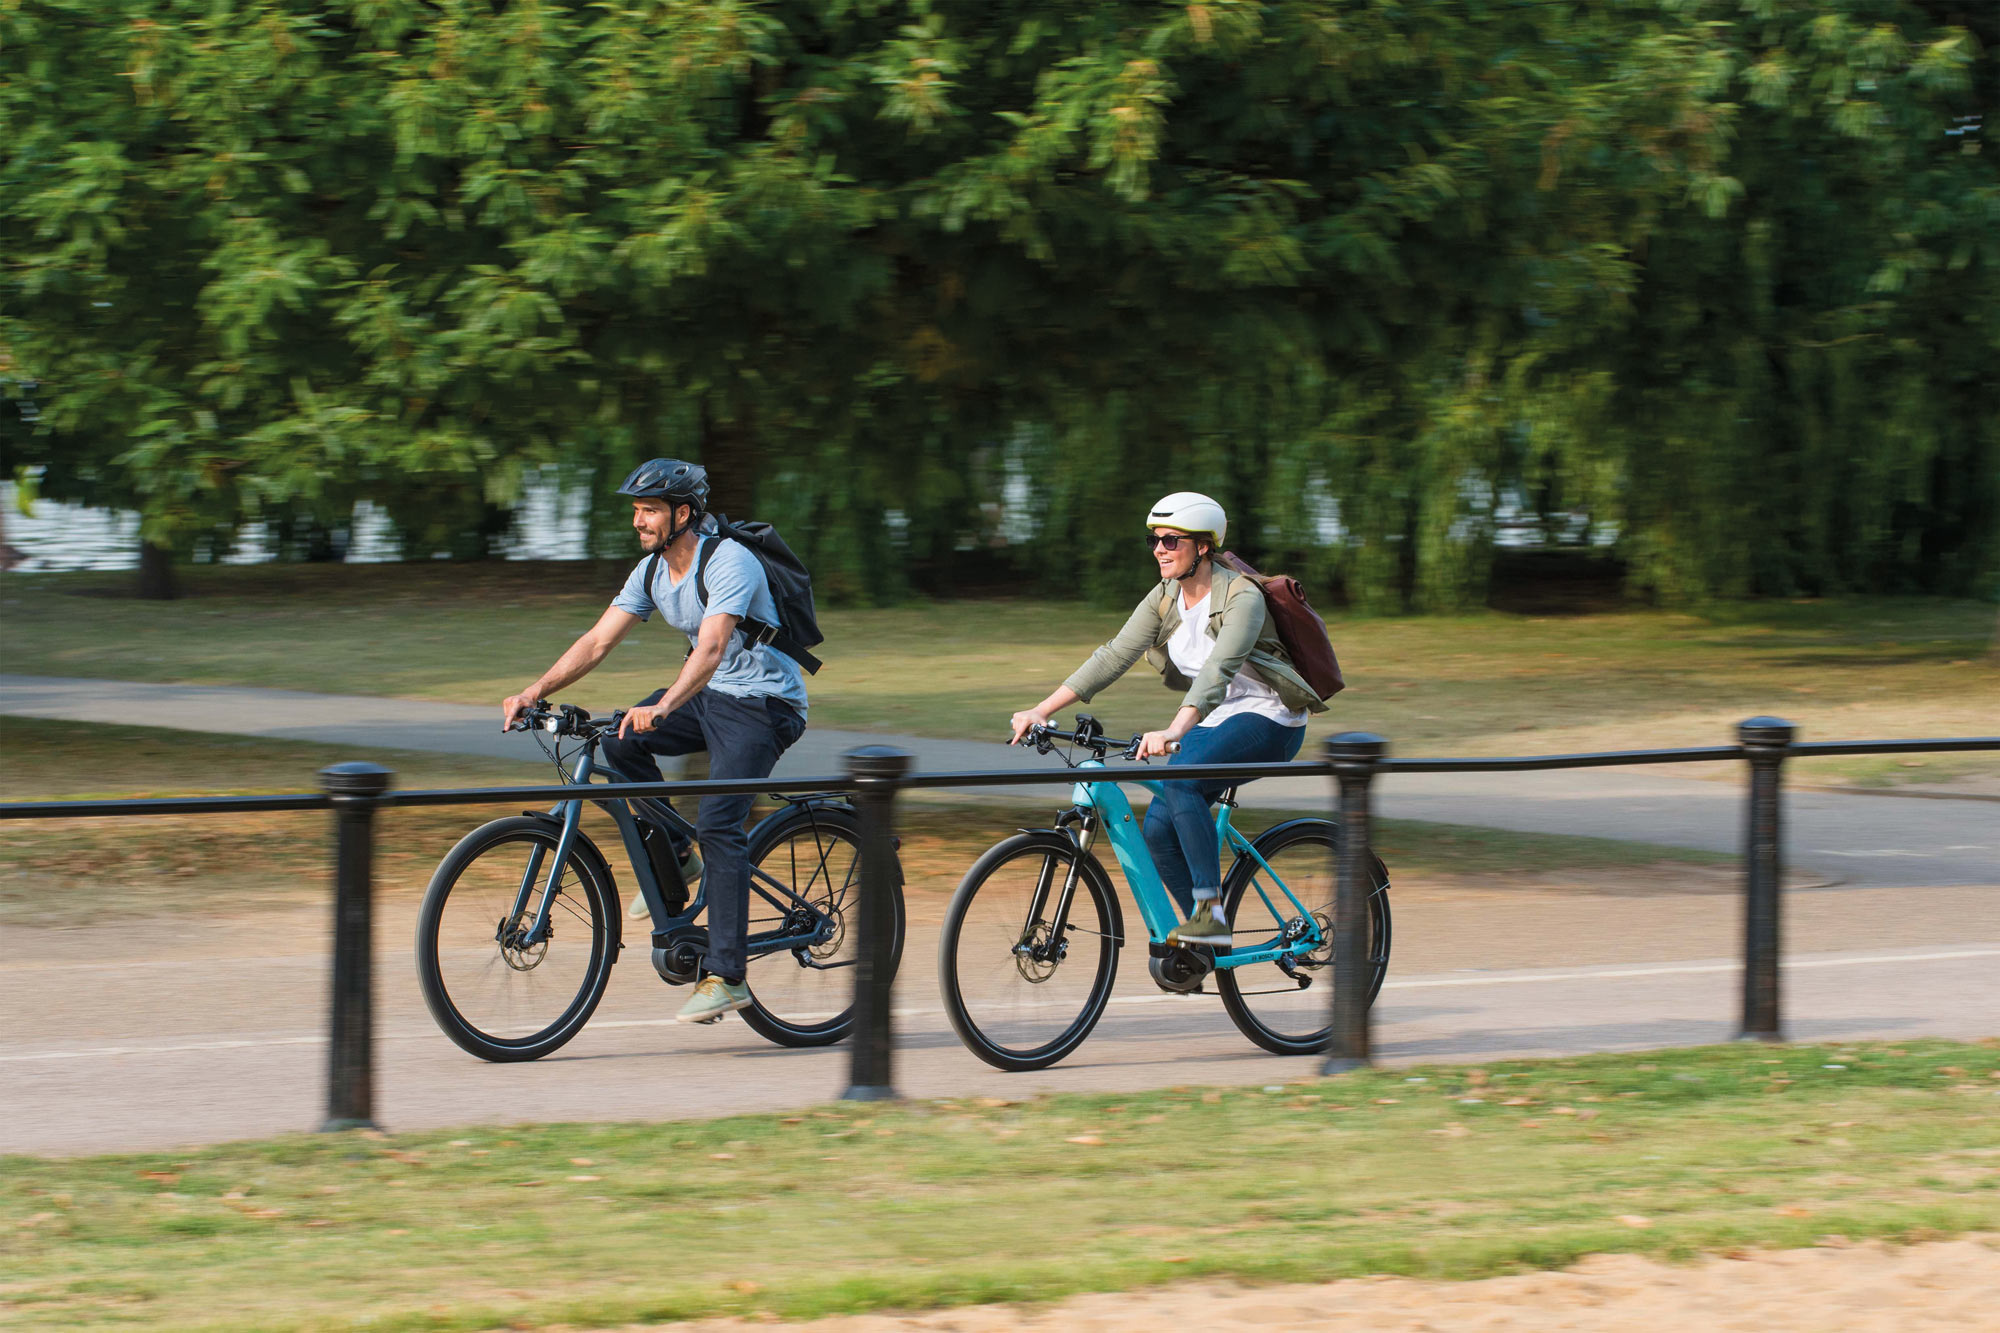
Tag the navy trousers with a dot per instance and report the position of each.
(744, 737)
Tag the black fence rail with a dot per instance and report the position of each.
(876, 775)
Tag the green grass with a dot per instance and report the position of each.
(1437, 1172)
(1479, 684)
(154, 865)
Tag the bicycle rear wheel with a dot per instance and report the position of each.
(1022, 989)
(497, 998)
(805, 996)
(1292, 1014)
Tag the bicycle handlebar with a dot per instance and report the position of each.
(1089, 735)
(562, 720)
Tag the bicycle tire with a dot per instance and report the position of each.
(1300, 1021)
(981, 971)
(786, 1006)
(483, 978)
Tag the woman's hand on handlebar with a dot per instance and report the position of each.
(1022, 722)
(1160, 743)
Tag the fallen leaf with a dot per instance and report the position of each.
(163, 1177)
(1531, 1124)
(1633, 1220)
(586, 1179)
(1178, 1258)
(1792, 1210)
(744, 1285)
(1387, 1101)
(723, 1156)
(1562, 1110)
(581, 1161)
(1518, 1101)
(1088, 1140)
(1451, 1132)
(528, 1184)
(1587, 1113)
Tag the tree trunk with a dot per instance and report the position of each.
(156, 573)
(729, 452)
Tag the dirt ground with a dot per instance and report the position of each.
(1834, 1288)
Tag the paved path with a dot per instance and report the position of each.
(1857, 838)
(120, 1040)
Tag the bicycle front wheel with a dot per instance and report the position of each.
(804, 996)
(1022, 987)
(494, 994)
(1291, 1013)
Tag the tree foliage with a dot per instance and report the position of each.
(949, 289)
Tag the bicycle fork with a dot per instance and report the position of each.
(507, 934)
(1051, 951)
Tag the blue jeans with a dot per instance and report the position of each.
(744, 737)
(1179, 831)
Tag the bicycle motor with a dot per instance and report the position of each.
(678, 954)
(1179, 971)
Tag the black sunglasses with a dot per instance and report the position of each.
(1169, 542)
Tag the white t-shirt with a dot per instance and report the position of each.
(1190, 648)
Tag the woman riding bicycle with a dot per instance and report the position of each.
(1205, 630)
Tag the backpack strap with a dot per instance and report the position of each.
(754, 631)
(652, 575)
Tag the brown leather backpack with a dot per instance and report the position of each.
(1299, 627)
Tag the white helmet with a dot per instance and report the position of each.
(1190, 512)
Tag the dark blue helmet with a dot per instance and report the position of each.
(671, 480)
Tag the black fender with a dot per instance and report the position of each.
(1091, 866)
(587, 850)
(801, 810)
(1271, 834)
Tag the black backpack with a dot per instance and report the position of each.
(797, 629)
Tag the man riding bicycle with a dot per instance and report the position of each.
(742, 702)
(1204, 628)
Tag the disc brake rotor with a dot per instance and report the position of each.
(1033, 957)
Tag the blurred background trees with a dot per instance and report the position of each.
(948, 290)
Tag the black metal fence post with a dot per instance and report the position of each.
(357, 790)
(1765, 741)
(879, 772)
(1353, 757)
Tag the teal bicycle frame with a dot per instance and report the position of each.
(1156, 904)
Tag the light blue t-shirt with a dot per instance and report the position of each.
(736, 587)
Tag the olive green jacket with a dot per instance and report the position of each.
(1243, 634)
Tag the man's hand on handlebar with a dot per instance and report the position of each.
(639, 719)
(514, 705)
